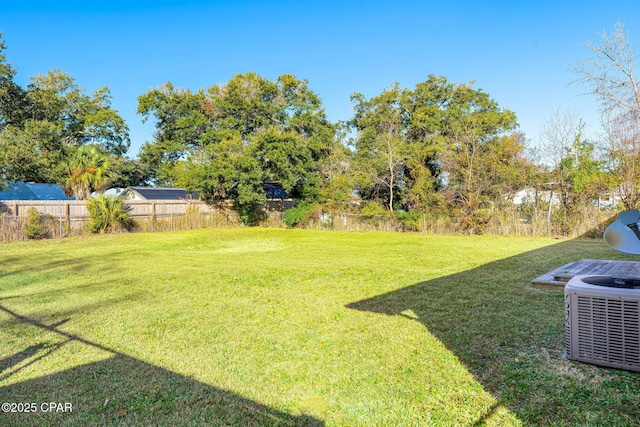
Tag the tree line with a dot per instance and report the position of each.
(440, 149)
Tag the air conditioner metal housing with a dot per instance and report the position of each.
(602, 324)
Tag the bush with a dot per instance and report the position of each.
(373, 209)
(34, 227)
(249, 215)
(411, 221)
(296, 216)
(107, 213)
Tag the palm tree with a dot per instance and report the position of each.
(88, 171)
(107, 213)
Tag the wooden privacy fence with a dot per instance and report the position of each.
(65, 218)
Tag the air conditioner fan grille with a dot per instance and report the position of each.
(608, 330)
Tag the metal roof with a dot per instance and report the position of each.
(160, 193)
(33, 191)
(274, 190)
(47, 191)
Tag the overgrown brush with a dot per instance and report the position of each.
(34, 226)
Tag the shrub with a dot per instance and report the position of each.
(411, 221)
(296, 216)
(373, 209)
(107, 213)
(34, 227)
(251, 214)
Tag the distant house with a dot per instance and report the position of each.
(608, 200)
(115, 191)
(274, 190)
(33, 191)
(157, 193)
(531, 196)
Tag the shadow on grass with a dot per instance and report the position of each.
(66, 314)
(20, 356)
(49, 262)
(123, 390)
(510, 336)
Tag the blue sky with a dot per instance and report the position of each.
(518, 52)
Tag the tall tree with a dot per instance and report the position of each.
(125, 172)
(337, 175)
(584, 179)
(623, 156)
(226, 140)
(42, 124)
(435, 137)
(88, 171)
(473, 124)
(565, 150)
(382, 146)
(609, 74)
(558, 136)
(21, 158)
(76, 118)
(180, 123)
(13, 103)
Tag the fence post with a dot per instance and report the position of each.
(68, 214)
(549, 212)
(153, 216)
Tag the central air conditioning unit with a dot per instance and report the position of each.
(602, 316)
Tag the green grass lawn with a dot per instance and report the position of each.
(297, 327)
